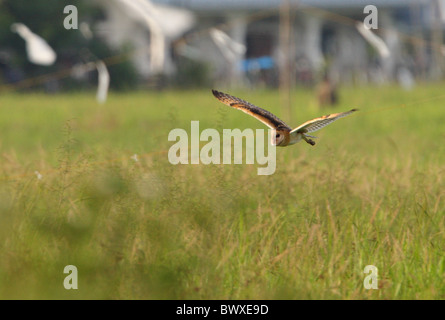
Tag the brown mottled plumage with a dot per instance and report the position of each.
(284, 135)
(264, 116)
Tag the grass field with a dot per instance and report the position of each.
(370, 192)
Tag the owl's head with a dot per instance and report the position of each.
(280, 138)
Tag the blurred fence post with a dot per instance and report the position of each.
(420, 54)
(238, 34)
(286, 63)
(437, 40)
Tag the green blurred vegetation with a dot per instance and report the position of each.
(371, 192)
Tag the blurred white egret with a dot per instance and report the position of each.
(39, 52)
(157, 39)
(103, 76)
(230, 48)
(103, 81)
(162, 22)
(80, 70)
(375, 41)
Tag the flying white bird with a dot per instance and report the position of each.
(157, 39)
(230, 48)
(375, 41)
(39, 52)
(163, 22)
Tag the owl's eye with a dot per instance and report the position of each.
(277, 136)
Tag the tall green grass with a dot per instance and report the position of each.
(371, 192)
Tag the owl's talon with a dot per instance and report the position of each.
(309, 141)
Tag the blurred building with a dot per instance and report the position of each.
(321, 39)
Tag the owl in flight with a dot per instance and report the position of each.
(283, 135)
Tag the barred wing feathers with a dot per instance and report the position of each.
(318, 123)
(262, 115)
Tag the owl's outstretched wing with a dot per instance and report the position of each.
(318, 123)
(264, 116)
